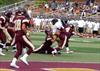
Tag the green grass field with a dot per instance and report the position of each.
(86, 50)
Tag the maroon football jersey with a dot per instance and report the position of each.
(65, 36)
(19, 21)
(69, 31)
(11, 21)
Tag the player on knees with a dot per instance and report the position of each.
(46, 48)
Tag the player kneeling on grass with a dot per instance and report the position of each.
(63, 38)
(46, 48)
(21, 40)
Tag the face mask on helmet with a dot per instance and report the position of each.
(54, 21)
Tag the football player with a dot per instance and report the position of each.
(64, 37)
(21, 40)
(4, 35)
(46, 48)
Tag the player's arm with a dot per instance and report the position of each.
(12, 28)
(77, 34)
(62, 42)
(26, 25)
(30, 25)
(24, 28)
(54, 37)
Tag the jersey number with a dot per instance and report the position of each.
(18, 25)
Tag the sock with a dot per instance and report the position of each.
(55, 50)
(24, 51)
(67, 49)
(25, 55)
(14, 60)
(0, 49)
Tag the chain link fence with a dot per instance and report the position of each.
(14, 6)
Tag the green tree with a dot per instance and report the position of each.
(38, 2)
(7, 2)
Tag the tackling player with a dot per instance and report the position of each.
(64, 37)
(46, 46)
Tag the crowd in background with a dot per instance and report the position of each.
(59, 21)
(78, 13)
(66, 8)
(81, 14)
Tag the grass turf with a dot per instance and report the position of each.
(86, 50)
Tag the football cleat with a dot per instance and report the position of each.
(14, 65)
(24, 60)
(54, 52)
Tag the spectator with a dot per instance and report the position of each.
(53, 5)
(96, 29)
(29, 11)
(81, 25)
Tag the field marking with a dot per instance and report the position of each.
(57, 62)
(84, 40)
(79, 53)
(72, 39)
(68, 69)
(39, 66)
(4, 69)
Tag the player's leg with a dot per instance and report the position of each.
(2, 42)
(9, 38)
(47, 47)
(50, 50)
(40, 49)
(12, 34)
(1, 49)
(18, 53)
(13, 45)
(30, 46)
(67, 48)
(61, 46)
